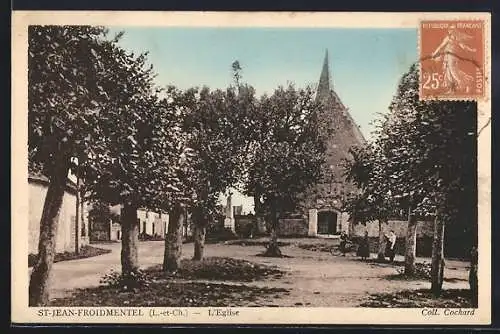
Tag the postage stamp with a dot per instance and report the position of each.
(452, 60)
(180, 168)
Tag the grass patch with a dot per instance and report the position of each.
(422, 272)
(385, 262)
(104, 242)
(85, 252)
(222, 269)
(156, 289)
(167, 293)
(452, 298)
(318, 247)
(262, 243)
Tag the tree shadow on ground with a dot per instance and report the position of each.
(222, 269)
(167, 293)
(451, 298)
(153, 287)
(275, 256)
(85, 252)
(318, 247)
(262, 243)
(384, 263)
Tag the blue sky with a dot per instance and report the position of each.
(365, 64)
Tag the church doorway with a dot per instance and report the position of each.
(327, 222)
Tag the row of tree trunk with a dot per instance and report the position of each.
(40, 276)
(437, 262)
(38, 288)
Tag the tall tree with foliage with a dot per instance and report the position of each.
(142, 161)
(216, 126)
(288, 154)
(68, 80)
(374, 201)
(431, 152)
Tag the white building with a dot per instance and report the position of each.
(152, 223)
(70, 231)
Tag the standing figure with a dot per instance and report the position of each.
(364, 247)
(454, 78)
(343, 243)
(391, 246)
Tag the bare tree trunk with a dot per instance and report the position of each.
(437, 270)
(84, 230)
(257, 205)
(351, 225)
(77, 216)
(39, 281)
(273, 249)
(173, 241)
(473, 277)
(130, 239)
(199, 234)
(411, 244)
(381, 240)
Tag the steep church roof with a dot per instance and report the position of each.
(343, 134)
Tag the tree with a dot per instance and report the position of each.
(395, 137)
(287, 156)
(143, 161)
(66, 84)
(431, 151)
(374, 201)
(176, 107)
(217, 123)
(220, 136)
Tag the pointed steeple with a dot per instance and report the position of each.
(324, 80)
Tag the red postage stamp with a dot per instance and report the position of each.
(452, 60)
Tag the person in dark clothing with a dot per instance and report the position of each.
(364, 247)
(343, 243)
(391, 246)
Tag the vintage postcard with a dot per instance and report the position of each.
(251, 168)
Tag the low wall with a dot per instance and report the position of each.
(249, 224)
(424, 228)
(244, 226)
(423, 248)
(293, 227)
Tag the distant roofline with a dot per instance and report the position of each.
(44, 180)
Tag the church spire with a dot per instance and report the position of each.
(324, 80)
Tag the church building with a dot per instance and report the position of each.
(324, 201)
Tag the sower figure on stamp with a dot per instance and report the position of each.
(454, 78)
(391, 244)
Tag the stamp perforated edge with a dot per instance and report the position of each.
(486, 62)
